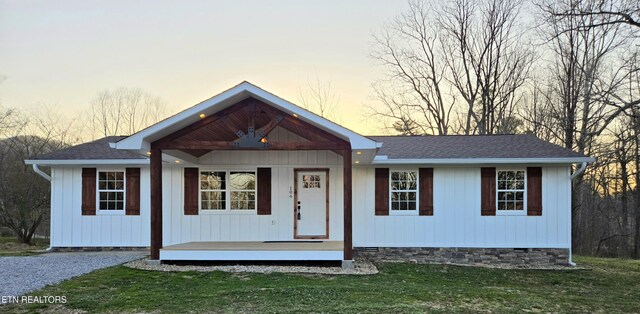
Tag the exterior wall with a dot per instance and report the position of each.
(456, 222)
(70, 229)
(238, 226)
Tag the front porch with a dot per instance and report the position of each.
(255, 251)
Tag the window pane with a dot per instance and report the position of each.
(519, 205)
(520, 175)
(212, 180)
(412, 205)
(394, 206)
(519, 196)
(242, 180)
(520, 185)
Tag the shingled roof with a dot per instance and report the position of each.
(470, 146)
(98, 149)
(394, 147)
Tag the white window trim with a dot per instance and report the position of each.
(415, 212)
(124, 193)
(227, 190)
(522, 212)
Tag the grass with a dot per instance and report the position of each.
(9, 246)
(611, 285)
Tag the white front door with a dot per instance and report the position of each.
(311, 204)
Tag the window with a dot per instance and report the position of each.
(310, 181)
(404, 190)
(511, 190)
(243, 190)
(212, 190)
(227, 190)
(111, 190)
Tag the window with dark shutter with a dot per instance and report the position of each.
(264, 191)
(88, 191)
(488, 191)
(132, 191)
(382, 191)
(191, 190)
(426, 191)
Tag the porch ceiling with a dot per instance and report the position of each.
(242, 126)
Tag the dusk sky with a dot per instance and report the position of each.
(63, 53)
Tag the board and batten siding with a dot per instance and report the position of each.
(241, 226)
(69, 228)
(456, 220)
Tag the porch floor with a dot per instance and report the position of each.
(255, 251)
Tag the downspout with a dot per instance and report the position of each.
(576, 173)
(41, 173)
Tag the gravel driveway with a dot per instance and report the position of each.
(22, 274)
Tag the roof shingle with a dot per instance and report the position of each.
(98, 149)
(470, 146)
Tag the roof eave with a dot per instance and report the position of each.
(381, 160)
(74, 162)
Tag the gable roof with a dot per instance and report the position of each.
(141, 140)
(473, 148)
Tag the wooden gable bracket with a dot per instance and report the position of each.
(253, 139)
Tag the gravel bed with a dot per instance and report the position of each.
(22, 274)
(362, 267)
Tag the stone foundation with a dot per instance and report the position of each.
(470, 256)
(98, 249)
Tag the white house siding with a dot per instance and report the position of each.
(457, 222)
(229, 226)
(69, 228)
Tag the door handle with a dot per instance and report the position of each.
(298, 213)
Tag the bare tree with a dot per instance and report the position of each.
(603, 12)
(124, 111)
(24, 197)
(414, 95)
(318, 96)
(488, 60)
(467, 52)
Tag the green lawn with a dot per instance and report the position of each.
(612, 285)
(9, 246)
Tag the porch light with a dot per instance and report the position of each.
(148, 153)
(357, 161)
(177, 161)
(202, 115)
(358, 153)
(295, 115)
(263, 140)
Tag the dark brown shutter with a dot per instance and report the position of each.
(534, 191)
(89, 191)
(132, 191)
(426, 191)
(264, 191)
(488, 191)
(382, 192)
(191, 191)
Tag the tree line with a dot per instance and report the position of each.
(566, 71)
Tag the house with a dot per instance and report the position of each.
(246, 175)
